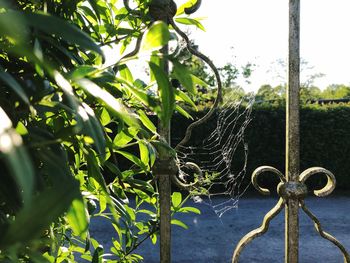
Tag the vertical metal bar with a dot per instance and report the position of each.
(165, 194)
(292, 132)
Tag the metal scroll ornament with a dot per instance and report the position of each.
(291, 190)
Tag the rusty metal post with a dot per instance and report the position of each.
(165, 191)
(292, 132)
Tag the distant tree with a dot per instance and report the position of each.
(336, 91)
(270, 95)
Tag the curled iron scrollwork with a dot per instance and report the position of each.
(331, 181)
(263, 169)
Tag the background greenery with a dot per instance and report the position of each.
(325, 140)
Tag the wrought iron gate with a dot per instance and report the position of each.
(292, 189)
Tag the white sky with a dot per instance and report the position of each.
(258, 32)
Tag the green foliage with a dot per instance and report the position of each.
(68, 122)
(269, 95)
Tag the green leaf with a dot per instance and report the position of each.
(116, 106)
(189, 209)
(183, 74)
(125, 73)
(16, 30)
(82, 71)
(179, 223)
(166, 93)
(182, 96)
(21, 129)
(98, 255)
(94, 170)
(66, 31)
(104, 117)
(183, 112)
(16, 157)
(190, 22)
(188, 4)
(146, 121)
(155, 37)
(124, 137)
(140, 94)
(144, 154)
(176, 199)
(94, 6)
(46, 207)
(14, 85)
(93, 128)
(133, 159)
(198, 81)
(77, 218)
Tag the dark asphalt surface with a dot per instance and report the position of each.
(210, 239)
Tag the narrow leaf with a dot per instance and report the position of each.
(146, 121)
(166, 93)
(68, 32)
(179, 223)
(190, 22)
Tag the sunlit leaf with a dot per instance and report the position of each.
(190, 22)
(189, 209)
(144, 154)
(16, 157)
(124, 137)
(179, 223)
(77, 218)
(125, 73)
(176, 199)
(112, 103)
(186, 5)
(155, 37)
(21, 129)
(146, 121)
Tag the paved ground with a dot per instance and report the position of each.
(212, 240)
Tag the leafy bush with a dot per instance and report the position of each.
(67, 121)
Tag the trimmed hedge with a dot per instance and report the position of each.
(324, 141)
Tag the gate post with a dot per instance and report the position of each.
(292, 189)
(292, 132)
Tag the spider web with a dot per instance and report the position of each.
(221, 155)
